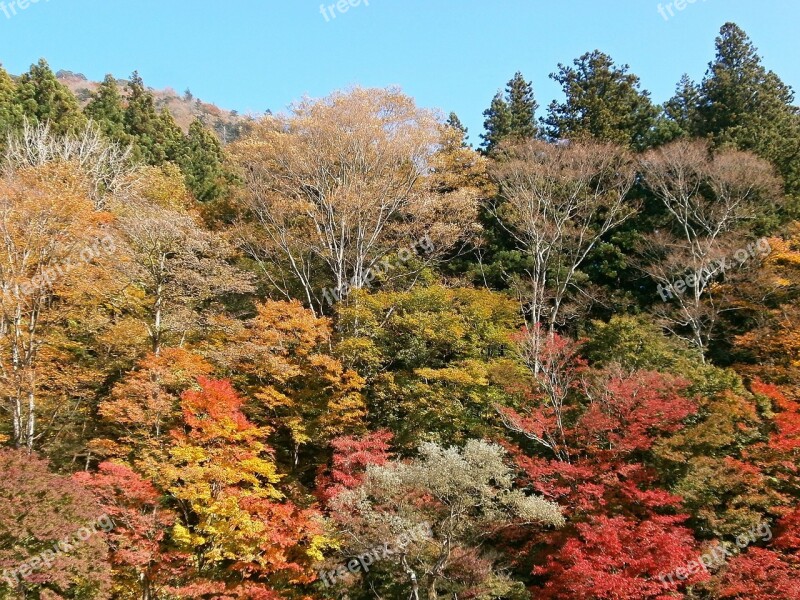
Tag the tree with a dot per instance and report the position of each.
(351, 457)
(683, 109)
(557, 202)
(338, 186)
(179, 266)
(156, 137)
(144, 406)
(430, 358)
(201, 162)
(744, 105)
(45, 100)
(107, 109)
(104, 165)
(511, 116)
(10, 110)
(460, 496)
(234, 522)
(142, 565)
(52, 531)
(50, 235)
(617, 558)
(709, 198)
(603, 102)
(281, 357)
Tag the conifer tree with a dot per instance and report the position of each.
(511, 115)
(10, 111)
(202, 163)
(745, 105)
(43, 98)
(603, 101)
(106, 108)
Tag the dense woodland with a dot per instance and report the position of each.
(347, 355)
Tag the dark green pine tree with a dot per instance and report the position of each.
(42, 98)
(602, 102)
(497, 123)
(203, 165)
(745, 105)
(522, 108)
(10, 110)
(683, 109)
(107, 109)
(511, 115)
(680, 115)
(156, 137)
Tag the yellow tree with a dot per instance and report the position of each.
(233, 519)
(340, 184)
(51, 239)
(280, 357)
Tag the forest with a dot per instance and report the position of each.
(345, 354)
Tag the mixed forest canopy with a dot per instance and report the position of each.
(344, 354)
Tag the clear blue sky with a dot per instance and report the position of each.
(251, 55)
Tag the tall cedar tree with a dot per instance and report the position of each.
(603, 101)
(745, 105)
(511, 116)
(43, 99)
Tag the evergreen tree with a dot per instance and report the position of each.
(106, 108)
(745, 105)
(10, 111)
(43, 98)
(497, 123)
(156, 136)
(522, 107)
(683, 107)
(512, 115)
(603, 101)
(202, 164)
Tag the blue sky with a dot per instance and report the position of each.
(251, 55)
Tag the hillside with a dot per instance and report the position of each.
(185, 108)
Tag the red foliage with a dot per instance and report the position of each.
(616, 558)
(351, 457)
(140, 525)
(760, 574)
(631, 412)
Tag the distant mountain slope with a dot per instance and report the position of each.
(185, 108)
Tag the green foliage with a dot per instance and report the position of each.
(511, 116)
(43, 99)
(202, 163)
(107, 109)
(429, 357)
(603, 101)
(744, 105)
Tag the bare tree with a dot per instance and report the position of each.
(557, 202)
(105, 164)
(339, 184)
(709, 199)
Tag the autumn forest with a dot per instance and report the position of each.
(341, 352)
